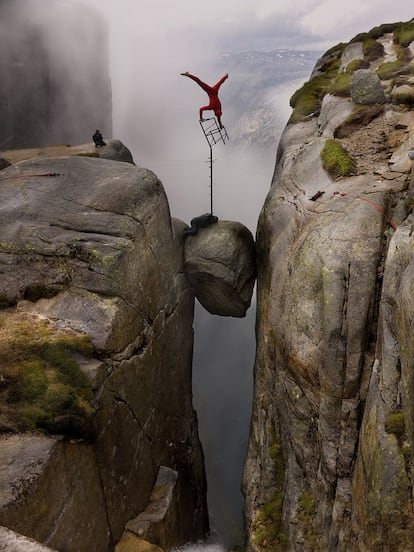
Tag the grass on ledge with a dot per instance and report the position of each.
(40, 380)
(336, 160)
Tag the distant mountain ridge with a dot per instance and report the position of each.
(257, 80)
(279, 59)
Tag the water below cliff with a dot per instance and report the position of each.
(224, 350)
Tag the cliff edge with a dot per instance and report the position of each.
(330, 458)
(96, 331)
(99, 438)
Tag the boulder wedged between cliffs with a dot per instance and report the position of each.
(220, 261)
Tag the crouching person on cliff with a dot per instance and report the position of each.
(98, 139)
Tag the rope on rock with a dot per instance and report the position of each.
(29, 176)
(375, 205)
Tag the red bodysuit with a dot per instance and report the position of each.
(212, 92)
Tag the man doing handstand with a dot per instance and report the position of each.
(212, 92)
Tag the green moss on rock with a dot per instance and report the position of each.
(383, 29)
(372, 49)
(307, 100)
(355, 65)
(308, 504)
(336, 50)
(377, 32)
(267, 526)
(392, 69)
(336, 160)
(268, 532)
(341, 86)
(306, 514)
(394, 423)
(404, 34)
(41, 380)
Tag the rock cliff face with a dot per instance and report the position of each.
(96, 351)
(54, 85)
(99, 439)
(330, 461)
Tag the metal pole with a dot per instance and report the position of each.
(211, 179)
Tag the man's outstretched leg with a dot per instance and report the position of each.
(203, 85)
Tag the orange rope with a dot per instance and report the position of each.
(29, 176)
(375, 205)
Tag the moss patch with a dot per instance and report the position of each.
(306, 515)
(392, 69)
(404, 34)
(40, 379)
(267, 526)
(307, 100)
(268, 534)
(341, 86)
(404, 98)
(355, 65)
(394, 423)
(308, 504)
(335, 159)
(377, 32)
(372, 49)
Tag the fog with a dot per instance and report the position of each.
(155, 114)
(50, 72)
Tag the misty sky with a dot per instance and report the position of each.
(254, 24)
(155, 110)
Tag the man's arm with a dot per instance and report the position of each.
(220, 82)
